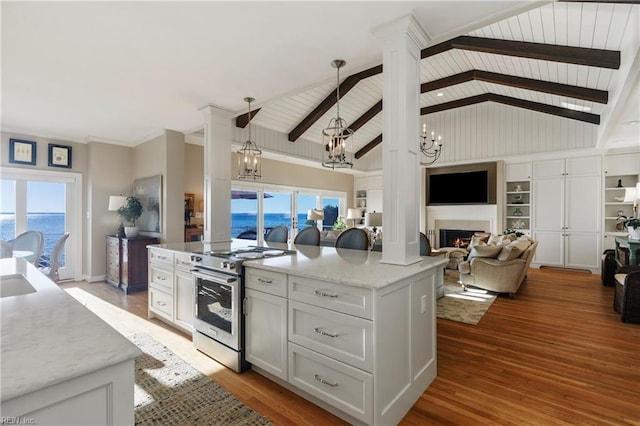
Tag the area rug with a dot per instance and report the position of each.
(462, 306)
(169, 391)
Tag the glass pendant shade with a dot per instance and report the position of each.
(249, 156)
(337, 136)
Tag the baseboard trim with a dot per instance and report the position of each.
(564, 269)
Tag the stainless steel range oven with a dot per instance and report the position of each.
(219, 289)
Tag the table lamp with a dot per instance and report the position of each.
(115, 203)
(315, 215)
(632, 195)
(353, 214)
(373, 219)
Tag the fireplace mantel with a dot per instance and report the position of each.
(477, 216)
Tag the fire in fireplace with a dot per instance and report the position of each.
(456, 237)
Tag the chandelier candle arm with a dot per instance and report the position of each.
(249, 156)
(337, 134)
(431, 149)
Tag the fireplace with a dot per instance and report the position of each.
(456, 237)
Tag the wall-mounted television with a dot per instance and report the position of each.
(458, 188)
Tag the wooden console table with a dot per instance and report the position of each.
(632, 245)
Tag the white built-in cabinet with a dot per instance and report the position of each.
(266, 321)
(518, 197)
(620, 171)
(566, 212)
(371, 186)
(171, 288)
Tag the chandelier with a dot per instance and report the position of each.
(335, 135)
(249, 155)
(431, 149)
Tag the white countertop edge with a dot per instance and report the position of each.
(59, 341)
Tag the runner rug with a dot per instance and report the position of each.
(169, 391)
(462, 306)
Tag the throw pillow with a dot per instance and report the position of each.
(476, 242)
(490, 252)
(513, 250)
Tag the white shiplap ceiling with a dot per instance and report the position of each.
(122, 72)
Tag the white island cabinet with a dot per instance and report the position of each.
(360, 335)
(61, 364)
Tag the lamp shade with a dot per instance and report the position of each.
(353, 214)
(315, 214)
(373, 219)
(631, 194)
(116, 201)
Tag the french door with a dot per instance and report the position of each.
(45, 201)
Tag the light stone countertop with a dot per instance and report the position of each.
(353, 267)
(344, 266)
(48, 337)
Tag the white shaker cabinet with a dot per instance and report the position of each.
(265, 313)
(566, 212)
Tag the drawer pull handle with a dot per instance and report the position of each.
(324, 293)
(161, 303)
(265, 281)
(324, 333)
(324, 382)
(162, 257)
(161, 278)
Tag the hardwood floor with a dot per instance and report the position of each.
(556, 354)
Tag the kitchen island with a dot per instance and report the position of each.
(343, 330)
(61, 364)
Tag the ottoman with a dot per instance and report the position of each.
(455, 255)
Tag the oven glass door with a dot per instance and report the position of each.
(217, 308)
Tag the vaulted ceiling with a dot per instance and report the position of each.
(121, 72)
(562, 59)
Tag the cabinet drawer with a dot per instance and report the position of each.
(343, 337)
(267, 281)
(160, 256)
(337, 297)
(342, 386)
(161, 278)
(161, 303)
(182, 261)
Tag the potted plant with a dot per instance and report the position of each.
(130, 213)
(632, 224)
(340, 224)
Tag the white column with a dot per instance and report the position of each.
(217, 174)
(402, 40)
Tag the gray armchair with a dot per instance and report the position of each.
(501, 276)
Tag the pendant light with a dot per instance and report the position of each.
(337, 134)
(431, 149)
(249, 156)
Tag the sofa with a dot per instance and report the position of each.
(499, 265)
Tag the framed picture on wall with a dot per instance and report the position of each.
(59, 156)
(22, 152)
(149, 191)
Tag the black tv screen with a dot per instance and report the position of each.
(459, 188)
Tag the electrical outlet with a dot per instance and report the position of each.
(423, 304)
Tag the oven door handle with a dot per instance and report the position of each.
(214, 276)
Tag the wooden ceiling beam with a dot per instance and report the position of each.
(364, 118)
(368, 147)
(546, 52)
(324, 106)
(587, 117)
(584, 93)
(243, 120)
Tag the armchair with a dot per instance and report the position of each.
(502, 276)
